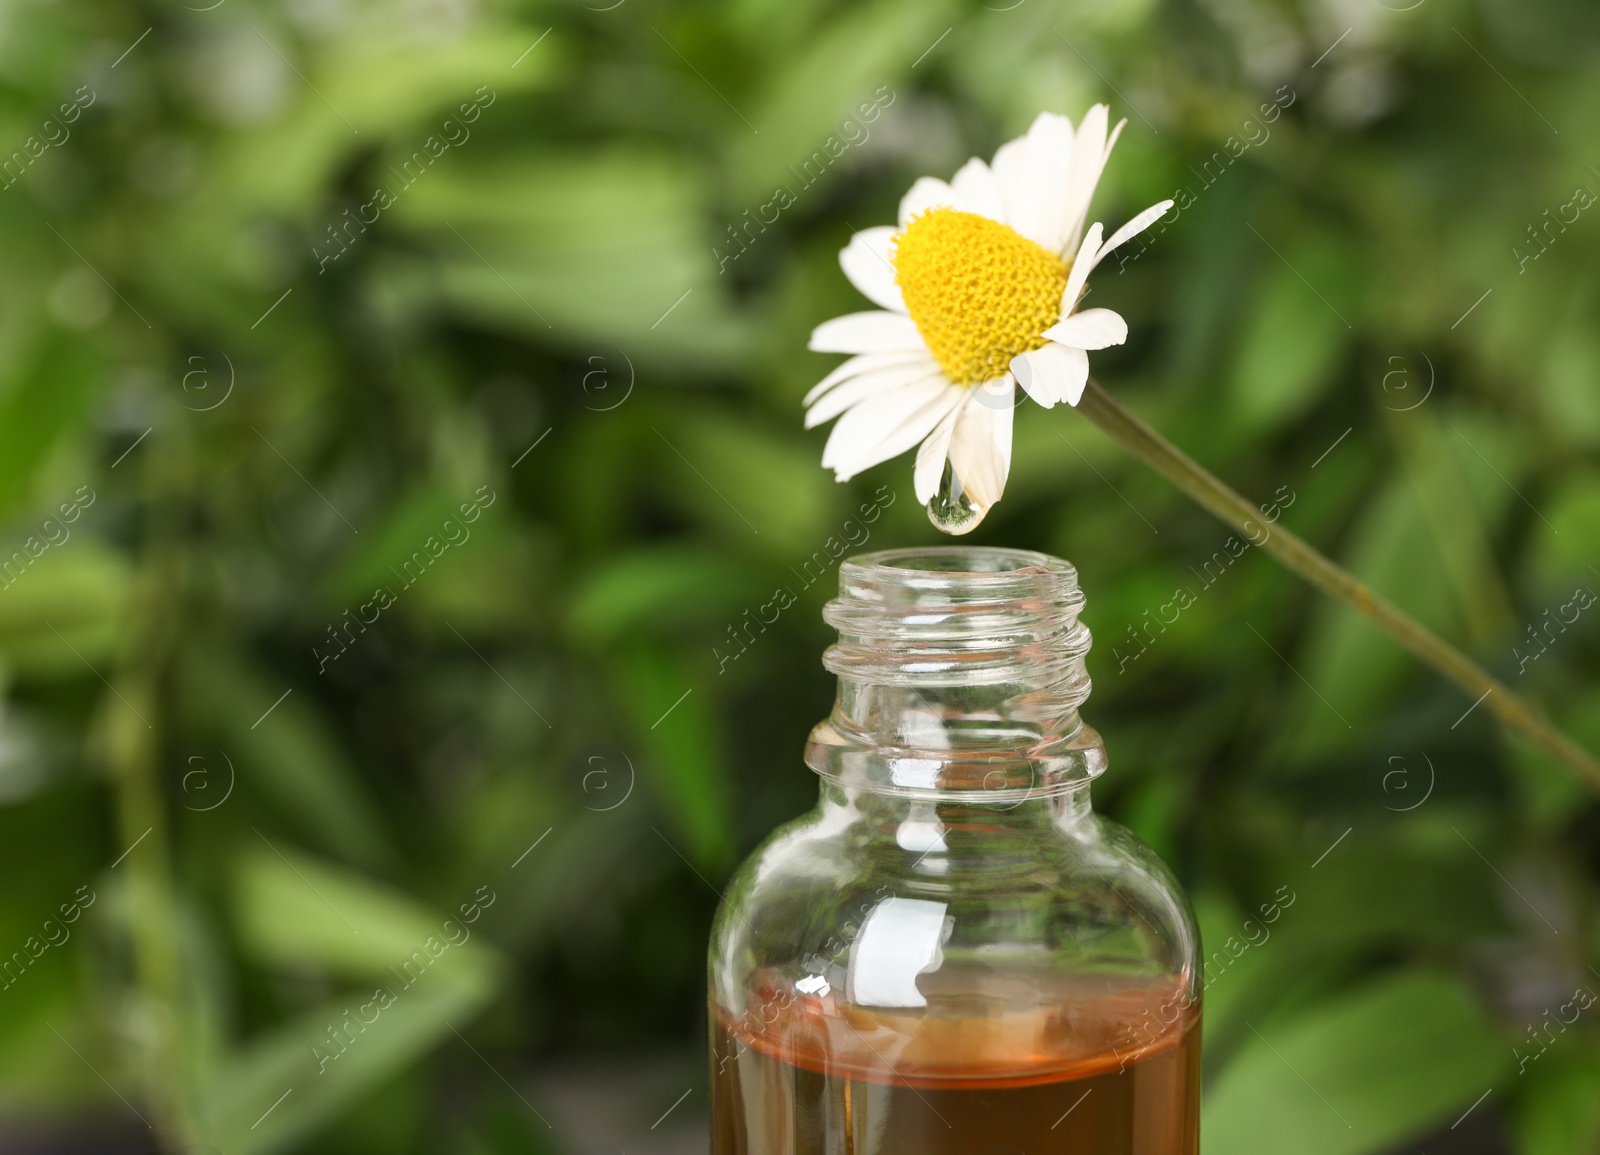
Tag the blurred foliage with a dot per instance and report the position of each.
(400, 435)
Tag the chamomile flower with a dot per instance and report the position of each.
(979, 289)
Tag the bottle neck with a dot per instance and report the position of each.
(960, 672)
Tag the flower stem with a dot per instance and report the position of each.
(1175, 465)
(137, 731)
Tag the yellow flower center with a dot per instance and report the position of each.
(979, 292)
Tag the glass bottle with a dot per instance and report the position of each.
(953, 954)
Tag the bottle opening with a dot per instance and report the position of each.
(959, 668)
(962, 560)
(962, 573)
(957, 615)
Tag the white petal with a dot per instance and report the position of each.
(866, 333)
(1132, 229)
(932, 455)
(1049, 157)
(979, 191)
(1052, 374)
(866, 385)
(1088, 161)
(865, 260)
(872, 420)
(980, 448)
(887, 425)
(1111, 141)
(1010, 161)
(866, 363)
(1082, 266)
(1090, 329)
(926, 193)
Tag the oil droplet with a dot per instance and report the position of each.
(951, 510)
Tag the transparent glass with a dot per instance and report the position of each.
(953, 953)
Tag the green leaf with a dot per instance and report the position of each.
(431, 974)
(45, 400)
(1358, 1072)
(1231, 979)
(283, 1087)
(1352, 664)
(283, 751)
(1378, 893)
(397, 554)
(1549, 792)
(815, 96)
(35, 1066)
(758, 483)
(1571, 367)
(675, 720)
(1563, 543)
(1288, 353)
(1458, 528)
(589, 248)
(294, 909)
(382, 84)
(506, 1129)
(1558, 1112)
(74, 596)
(654, 590)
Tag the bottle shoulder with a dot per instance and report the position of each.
(1084, 886)
(957, 939)
(931, 852)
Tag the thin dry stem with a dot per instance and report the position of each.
(1175, 465)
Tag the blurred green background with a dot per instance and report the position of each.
(400, 427)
